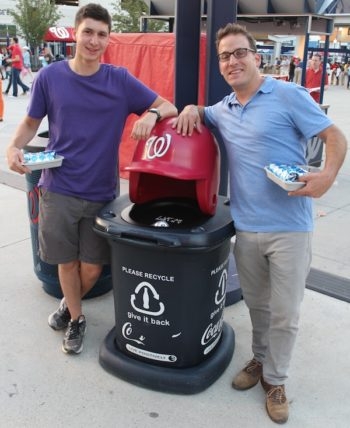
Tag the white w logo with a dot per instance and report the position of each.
(157, 146)
(60, 32)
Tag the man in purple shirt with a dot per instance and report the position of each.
(86, 104)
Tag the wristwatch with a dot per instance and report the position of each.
(155, 111)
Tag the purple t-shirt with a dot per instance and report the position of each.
(86, 116)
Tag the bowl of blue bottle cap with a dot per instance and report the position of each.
(42, 160)
(286, 176)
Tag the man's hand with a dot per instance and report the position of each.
(15, 160)
(316, 184)
(143, 127)
(188, 120)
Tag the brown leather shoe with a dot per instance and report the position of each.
(276, 402)
(249, 376)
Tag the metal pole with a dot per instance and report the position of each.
(324, 67)
(219, 13)
(305, 58)
(330, 26)
(187, 30)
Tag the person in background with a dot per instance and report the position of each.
(7, 55)
(27, 66)
(43, 61)
(16, 62)
(298, 70)
(2, 65)
(348, 76)
(1, 103)
(86, 117)
(313, 78)
(277, 65)
(334, 67)
(291, 72)
(47, 53)
(284, 68)
(265, 121)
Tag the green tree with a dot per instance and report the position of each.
(33, 18)
(126, 18)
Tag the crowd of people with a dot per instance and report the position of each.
(338, 72)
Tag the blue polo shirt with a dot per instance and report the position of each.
(273, 127)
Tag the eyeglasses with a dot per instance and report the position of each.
(237, 53)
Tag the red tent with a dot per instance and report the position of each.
(151, 58)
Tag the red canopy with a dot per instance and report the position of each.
(59, 34)
(151, 58)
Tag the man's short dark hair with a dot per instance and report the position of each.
(235, 29)
(93, 11)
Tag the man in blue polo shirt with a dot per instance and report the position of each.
(266, 121)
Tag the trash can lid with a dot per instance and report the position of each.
(120, 221)
(172, 165)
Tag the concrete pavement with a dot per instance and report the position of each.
(40, 386)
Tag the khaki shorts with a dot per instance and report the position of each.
(65, 230)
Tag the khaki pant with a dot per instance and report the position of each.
(272, 270)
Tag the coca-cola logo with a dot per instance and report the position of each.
(212, 331)
(156, 147)
(127, 332)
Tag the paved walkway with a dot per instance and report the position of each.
(40, 386)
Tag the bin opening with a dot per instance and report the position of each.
(169, 213)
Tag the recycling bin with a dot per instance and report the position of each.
(48, 273)
(170, 242)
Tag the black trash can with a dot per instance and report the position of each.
(169, 270)
(170, 244)
(47, 273)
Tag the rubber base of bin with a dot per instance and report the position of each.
(189, 380)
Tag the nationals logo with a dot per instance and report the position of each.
(60, 32)
(156, 147)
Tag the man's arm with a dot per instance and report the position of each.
(143, 127)
(24, 133)
(336, 148)
(317, 183)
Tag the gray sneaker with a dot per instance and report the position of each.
(73, 339)
(59, 319)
